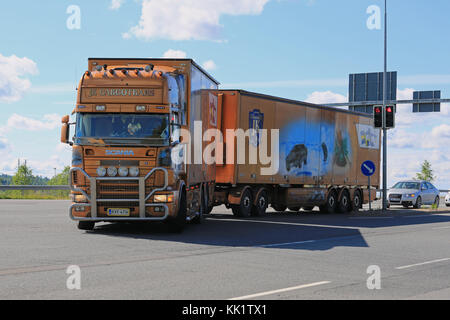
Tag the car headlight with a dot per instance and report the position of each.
(412, 195)
(112, 171)
(134, 171)
(101, 171)
(123, 171)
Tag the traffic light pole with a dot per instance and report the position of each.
(384, 113)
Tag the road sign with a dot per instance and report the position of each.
(368, 168)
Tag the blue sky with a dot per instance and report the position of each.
(299, 49)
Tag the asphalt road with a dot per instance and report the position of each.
(288, 255)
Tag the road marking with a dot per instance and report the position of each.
(282, 223)
(364, 218)
(286, 243)
(422, 263)
(419, 216)
(267, 293)
(441, 228)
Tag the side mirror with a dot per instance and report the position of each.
(65, 130)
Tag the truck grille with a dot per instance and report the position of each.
(120, 189)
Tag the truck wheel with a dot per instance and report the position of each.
(294, 209)
(310, 208)
(244, 209)
(262, 202)
(344, 204)
(86, 225)
(418, 204)
(357, 201)
(331, 204)
(279, 207)
(178, 223)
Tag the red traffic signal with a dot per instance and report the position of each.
(378, 116)
(390, 117)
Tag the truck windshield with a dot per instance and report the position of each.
(120, 128)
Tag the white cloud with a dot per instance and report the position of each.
(189, 19)
(116, 4)
(12, 82)
(209, 65)
(324, 97)
(48, 122)
(178, 54)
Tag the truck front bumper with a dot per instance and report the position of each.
(93, 201)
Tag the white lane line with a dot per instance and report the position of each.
(441, 228)
(419, 216)
(422, 263)
(267, 293)
(286, 243)
(282, 223)
(367, 218)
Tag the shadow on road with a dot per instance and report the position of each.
(288, 230)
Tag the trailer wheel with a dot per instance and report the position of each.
(178, 223)
(279, 207)
(331, 204)
(357, 201)
(244, 209)
(262, 202)
(344, 203)
(86, 225)
(294, 209)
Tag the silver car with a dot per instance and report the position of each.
(413, 193)
(447, 200)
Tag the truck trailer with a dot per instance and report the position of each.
(318, 159)
(129, 113)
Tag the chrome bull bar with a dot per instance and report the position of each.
(92, 198)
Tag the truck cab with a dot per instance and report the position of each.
(128, 117)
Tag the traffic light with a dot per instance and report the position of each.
(378, 116)
(390, 117)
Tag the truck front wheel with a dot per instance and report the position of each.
(177, 224)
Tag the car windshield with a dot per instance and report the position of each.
(147, 129)
(407, 185)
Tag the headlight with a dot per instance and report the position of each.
(101, 171)
(123, 171)
(112, 171)
(163, 198)
(412, 195)
(134, 171)
(80, 198)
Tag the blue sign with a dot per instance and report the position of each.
(368, 168)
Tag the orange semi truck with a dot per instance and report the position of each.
(129, 113)
(130, 119)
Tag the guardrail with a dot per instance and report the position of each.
(35, 188)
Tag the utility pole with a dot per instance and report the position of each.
(384, 111)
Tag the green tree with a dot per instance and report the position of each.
(23, 176)
(426, 173)
(60, 179)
